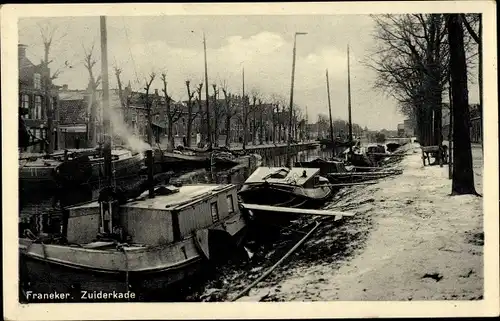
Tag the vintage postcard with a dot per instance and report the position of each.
(259, 160)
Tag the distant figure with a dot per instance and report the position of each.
(77, 142)
(184, 141)
(240, 140)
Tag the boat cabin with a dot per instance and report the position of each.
(296, 176)
(163, 219)
(325, 166)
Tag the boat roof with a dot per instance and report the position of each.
(187, 194)
(181, 196)
(295, 175)
(39, 162)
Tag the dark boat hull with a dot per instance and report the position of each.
(169, 161)
(275, 196)
(42, 276)
(122, 168)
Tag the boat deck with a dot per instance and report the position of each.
(180, 196)
(294, 175)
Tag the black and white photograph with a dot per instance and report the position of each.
(249, 153)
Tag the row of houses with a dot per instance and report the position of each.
(72, 109)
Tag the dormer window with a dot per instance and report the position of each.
(37, 81)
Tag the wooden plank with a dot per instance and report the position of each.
(290, 210)
(430, 148)
(364, 174)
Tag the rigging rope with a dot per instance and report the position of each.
(130, 50)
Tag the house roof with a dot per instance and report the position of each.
(72, 95)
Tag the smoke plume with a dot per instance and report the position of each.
(122, 130)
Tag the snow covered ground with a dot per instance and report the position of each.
(410, 240)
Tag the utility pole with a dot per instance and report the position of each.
(291, 98)
(244, 111)
(306, 131)
(349, 99)
(329, 106)
(48, 104)
(105, 101)
(209, 132)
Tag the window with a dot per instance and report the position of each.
(215, 212)
(25, 104)
(230, 205)
(38, 108)
(37, 81)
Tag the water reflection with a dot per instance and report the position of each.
(238, 176)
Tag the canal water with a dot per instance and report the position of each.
(41, 202)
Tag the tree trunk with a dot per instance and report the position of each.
(274, 125)
(463, 175)
(480, 80)
(245, 123)
(189, 125)
(450, 131)
(254, 127)
(228, 129)
(261, 127)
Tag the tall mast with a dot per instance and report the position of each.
(329, 105)
(349, 98)
(244, 102)
(105, 101)
(209, 133)
(306, 132)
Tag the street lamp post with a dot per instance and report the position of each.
(291, 98)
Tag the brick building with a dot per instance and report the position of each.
(73, 125)
(33, 101)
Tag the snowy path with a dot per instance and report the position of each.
(424, 245)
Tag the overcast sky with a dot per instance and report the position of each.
(260, 44)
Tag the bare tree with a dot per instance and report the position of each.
(253, 111)
(276, 116)
(463, 174)
(191, 116)
(411, 61)
(47, 33)
(124, 95)
(218, 112)
(476, 19)
(323, 123)
(243, 118)
(173, 115)
(89, 63)
(275, 119)
(201, 113)
(230, 111)
(148, 104)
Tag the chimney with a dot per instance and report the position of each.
(21, 50)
